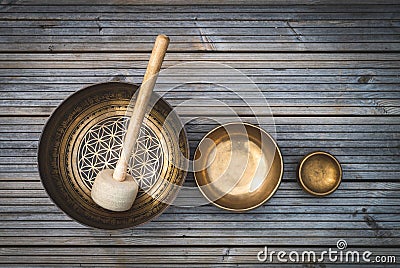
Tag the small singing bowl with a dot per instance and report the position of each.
(319, 173)
(238, 166)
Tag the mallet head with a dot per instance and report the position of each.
(112, 194)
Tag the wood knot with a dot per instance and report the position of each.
(365, 79)
(118, 78)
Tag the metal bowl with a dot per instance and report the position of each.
(319, 173)
(84, 135)
(238, 166)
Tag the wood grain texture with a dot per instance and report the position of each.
(330, 74)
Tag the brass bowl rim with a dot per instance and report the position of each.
(300, 179)
(280, 175)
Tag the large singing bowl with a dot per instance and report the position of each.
(84, 135)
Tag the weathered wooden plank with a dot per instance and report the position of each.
(189, 28)
(180, 31)
(314, 24)
(178, 264)
(165, 82)
(202, 224)
(197, 71)
(263, 63)
(202, 99)
(201, 2)
(210, 213)
(161, 255)
(151, 251)
(200, 46)
(197, 39)
(327, 239)
(200, 227)
(390, 235)
(204, 13)
(190, 265)
(344, 223)
(332, 8)
(238, 105)
(225, 57)
(264, 89)
(275, 61)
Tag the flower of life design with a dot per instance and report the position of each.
(102, 144)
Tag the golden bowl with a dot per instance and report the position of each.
(84, 136)
(238, 166)
(319, 173)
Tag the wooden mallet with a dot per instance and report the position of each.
(115, 189)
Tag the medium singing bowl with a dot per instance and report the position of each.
(238, 166)
(319, 173)
(84, 135)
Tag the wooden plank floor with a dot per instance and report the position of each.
(330, 73)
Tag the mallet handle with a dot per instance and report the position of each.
(145, 91)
